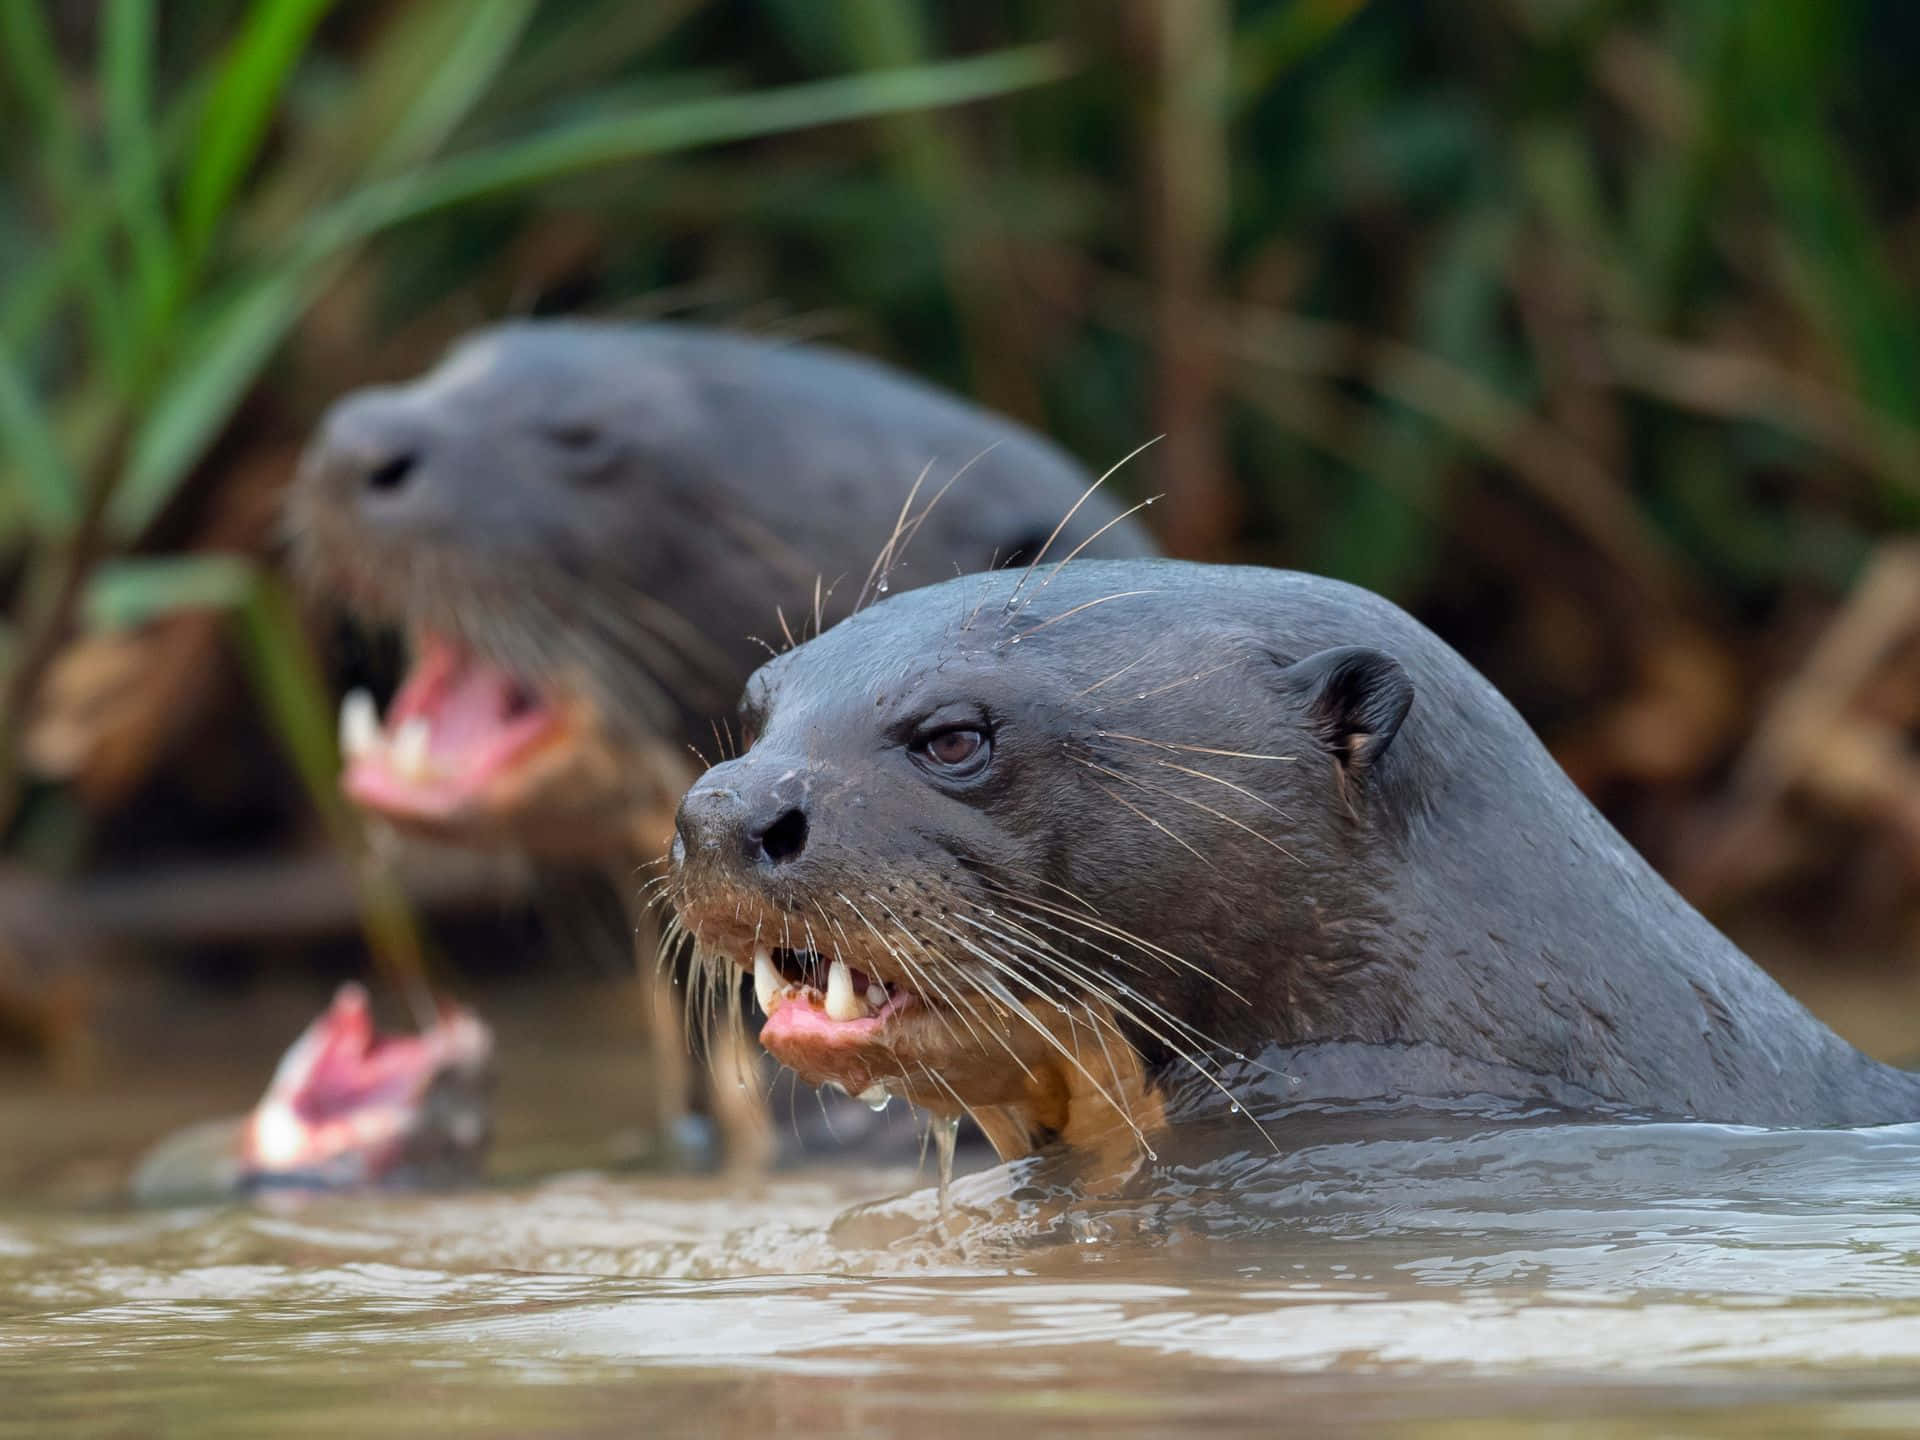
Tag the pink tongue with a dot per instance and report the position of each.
(474, 709)
(340, 1063)
(797, 1020)
(479, 721)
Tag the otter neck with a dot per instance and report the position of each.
(1569, 957)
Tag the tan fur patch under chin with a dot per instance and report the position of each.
(1106, 1106)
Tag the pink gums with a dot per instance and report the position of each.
(479, 728)
(802, 1035)
(343, 1088)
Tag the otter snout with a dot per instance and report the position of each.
(734, 817)
(369, 444)
(386, 465)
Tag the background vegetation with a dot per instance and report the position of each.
(1585, 328)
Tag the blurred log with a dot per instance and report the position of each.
(61, 940)
(241, 902)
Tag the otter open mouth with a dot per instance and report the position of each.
(348, 1099)
(1026, 1064)
(824, 1017)
(459, 728)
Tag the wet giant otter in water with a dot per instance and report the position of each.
(1044, 846)
(592, 533)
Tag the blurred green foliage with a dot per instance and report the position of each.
(1462, 301)
(176, 208)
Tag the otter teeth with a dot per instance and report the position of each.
(410, 747)
(842, 1002)
(876, 995)
(359, 724)
(766, 980)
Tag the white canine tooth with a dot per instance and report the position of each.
(842, 1003)
(359, 724)
(410, 748)
(876, 995)
(766, 979)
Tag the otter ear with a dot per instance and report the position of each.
(1355, 699)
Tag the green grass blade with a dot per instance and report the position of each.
(33, 452)
(586, 42)
(27, 52)
(238, 111)
(590, 144)
(482, 35)
(26, 49)
(39, 290)
(126, 83)
(48, 280)
(287, 677)
(124, 593)
(414, 85)
(212, 373)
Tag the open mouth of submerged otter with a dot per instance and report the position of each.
(826, 1018)
(346, 1094)
(460, 731)
(898, 1017)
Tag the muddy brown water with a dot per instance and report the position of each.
(1456, 1275)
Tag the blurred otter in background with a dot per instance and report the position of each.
(590, 534)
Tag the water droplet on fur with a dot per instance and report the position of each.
(882, 586)
(1233, 1108)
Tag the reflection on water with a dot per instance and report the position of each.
(1427, 1273)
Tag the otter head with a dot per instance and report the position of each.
(513, 513)
(1025, 843)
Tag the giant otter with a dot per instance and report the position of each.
(1040, 845)
(591, 533)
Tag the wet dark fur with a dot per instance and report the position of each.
(1259, 812)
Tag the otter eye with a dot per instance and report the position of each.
(960, 751)
(574, 436)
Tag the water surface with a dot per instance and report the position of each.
(1433, 1274)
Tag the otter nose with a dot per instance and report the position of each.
(718, 819)
(371, 450)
